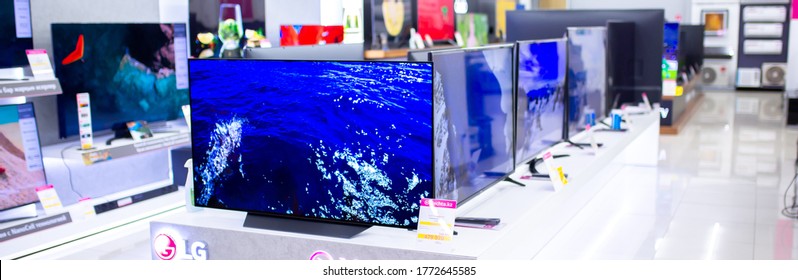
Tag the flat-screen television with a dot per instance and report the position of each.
(587, 75)
(436, 19)
(21, 167)
(315, 52)
(206, 16)
(132, 71)
(391, 19)
(298, 35)
(671, 41)
(691, 47)
(15, 33)
(343, 142)
(473, 120)
(424, 54)
(648, 38)
(541, 96)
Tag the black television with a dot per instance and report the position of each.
(691, 48)
(541, 96)
(587, 76)
(15, 33)
(21, 166)
(424, 54)
(132, 71)
(647, 37)
(473, 119)
(344, 142)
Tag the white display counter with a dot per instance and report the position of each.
(531, 216)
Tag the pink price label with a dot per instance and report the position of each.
(439, 203)
(547, 155)
(35, 51)
(44, 188)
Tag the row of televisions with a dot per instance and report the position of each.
(363, 141)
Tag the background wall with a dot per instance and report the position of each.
(672, 8)
(792, 56)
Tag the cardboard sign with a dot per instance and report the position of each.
(556, 172)
(40, 64)
(49, 199)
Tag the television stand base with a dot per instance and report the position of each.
(302, 226)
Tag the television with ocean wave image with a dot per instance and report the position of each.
(346, 143)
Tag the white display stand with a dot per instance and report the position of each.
(29, 88)
(531, 216)
(80, 227)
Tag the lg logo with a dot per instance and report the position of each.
(167, 247)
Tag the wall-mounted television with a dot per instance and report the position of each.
(587, 75)
(21, 166)
(132, 71)
(473, 119)
(339, 142)
(436, 19)
(540, 96)
(15, 33)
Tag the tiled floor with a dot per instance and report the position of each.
(717, 193)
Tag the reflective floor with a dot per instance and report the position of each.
(717, 194)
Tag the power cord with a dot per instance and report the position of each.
(69, 170)
(791, 211)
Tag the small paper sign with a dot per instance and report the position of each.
(40, 64)
(436, 219)
(556, 173)
(647, 102)
(49, 199)
(592, 139)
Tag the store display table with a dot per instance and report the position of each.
(531, 216)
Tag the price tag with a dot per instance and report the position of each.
(556, 173)
(647, 102)
(49, 199)
(40, 64)
(436, 219)
(592, 139)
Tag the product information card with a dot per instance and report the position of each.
(556, 173)
(436, 219)
(40, 64)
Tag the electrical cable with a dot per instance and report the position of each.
(69, 170)
(791, 211)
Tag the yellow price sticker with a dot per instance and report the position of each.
(562, 176)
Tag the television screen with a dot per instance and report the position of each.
(15, 33)
(473, 120)
(393, 18)
(436, 19)
(133, 72)
(474, 29)
(541, 98)
(21, 167)
(336, 141)
(206, 16)
(670, 57)
(587, 75)
(297, 35)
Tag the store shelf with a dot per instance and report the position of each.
(29, 88)
(385, 54)
(82, 227)
(127, 147)
(531, 216)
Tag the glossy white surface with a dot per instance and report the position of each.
(717, 193)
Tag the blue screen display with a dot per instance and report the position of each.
(541, 98)
(473, 120)
(344, 141)
(671, 35)
(587, 75)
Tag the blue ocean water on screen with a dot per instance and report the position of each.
(347, 141)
